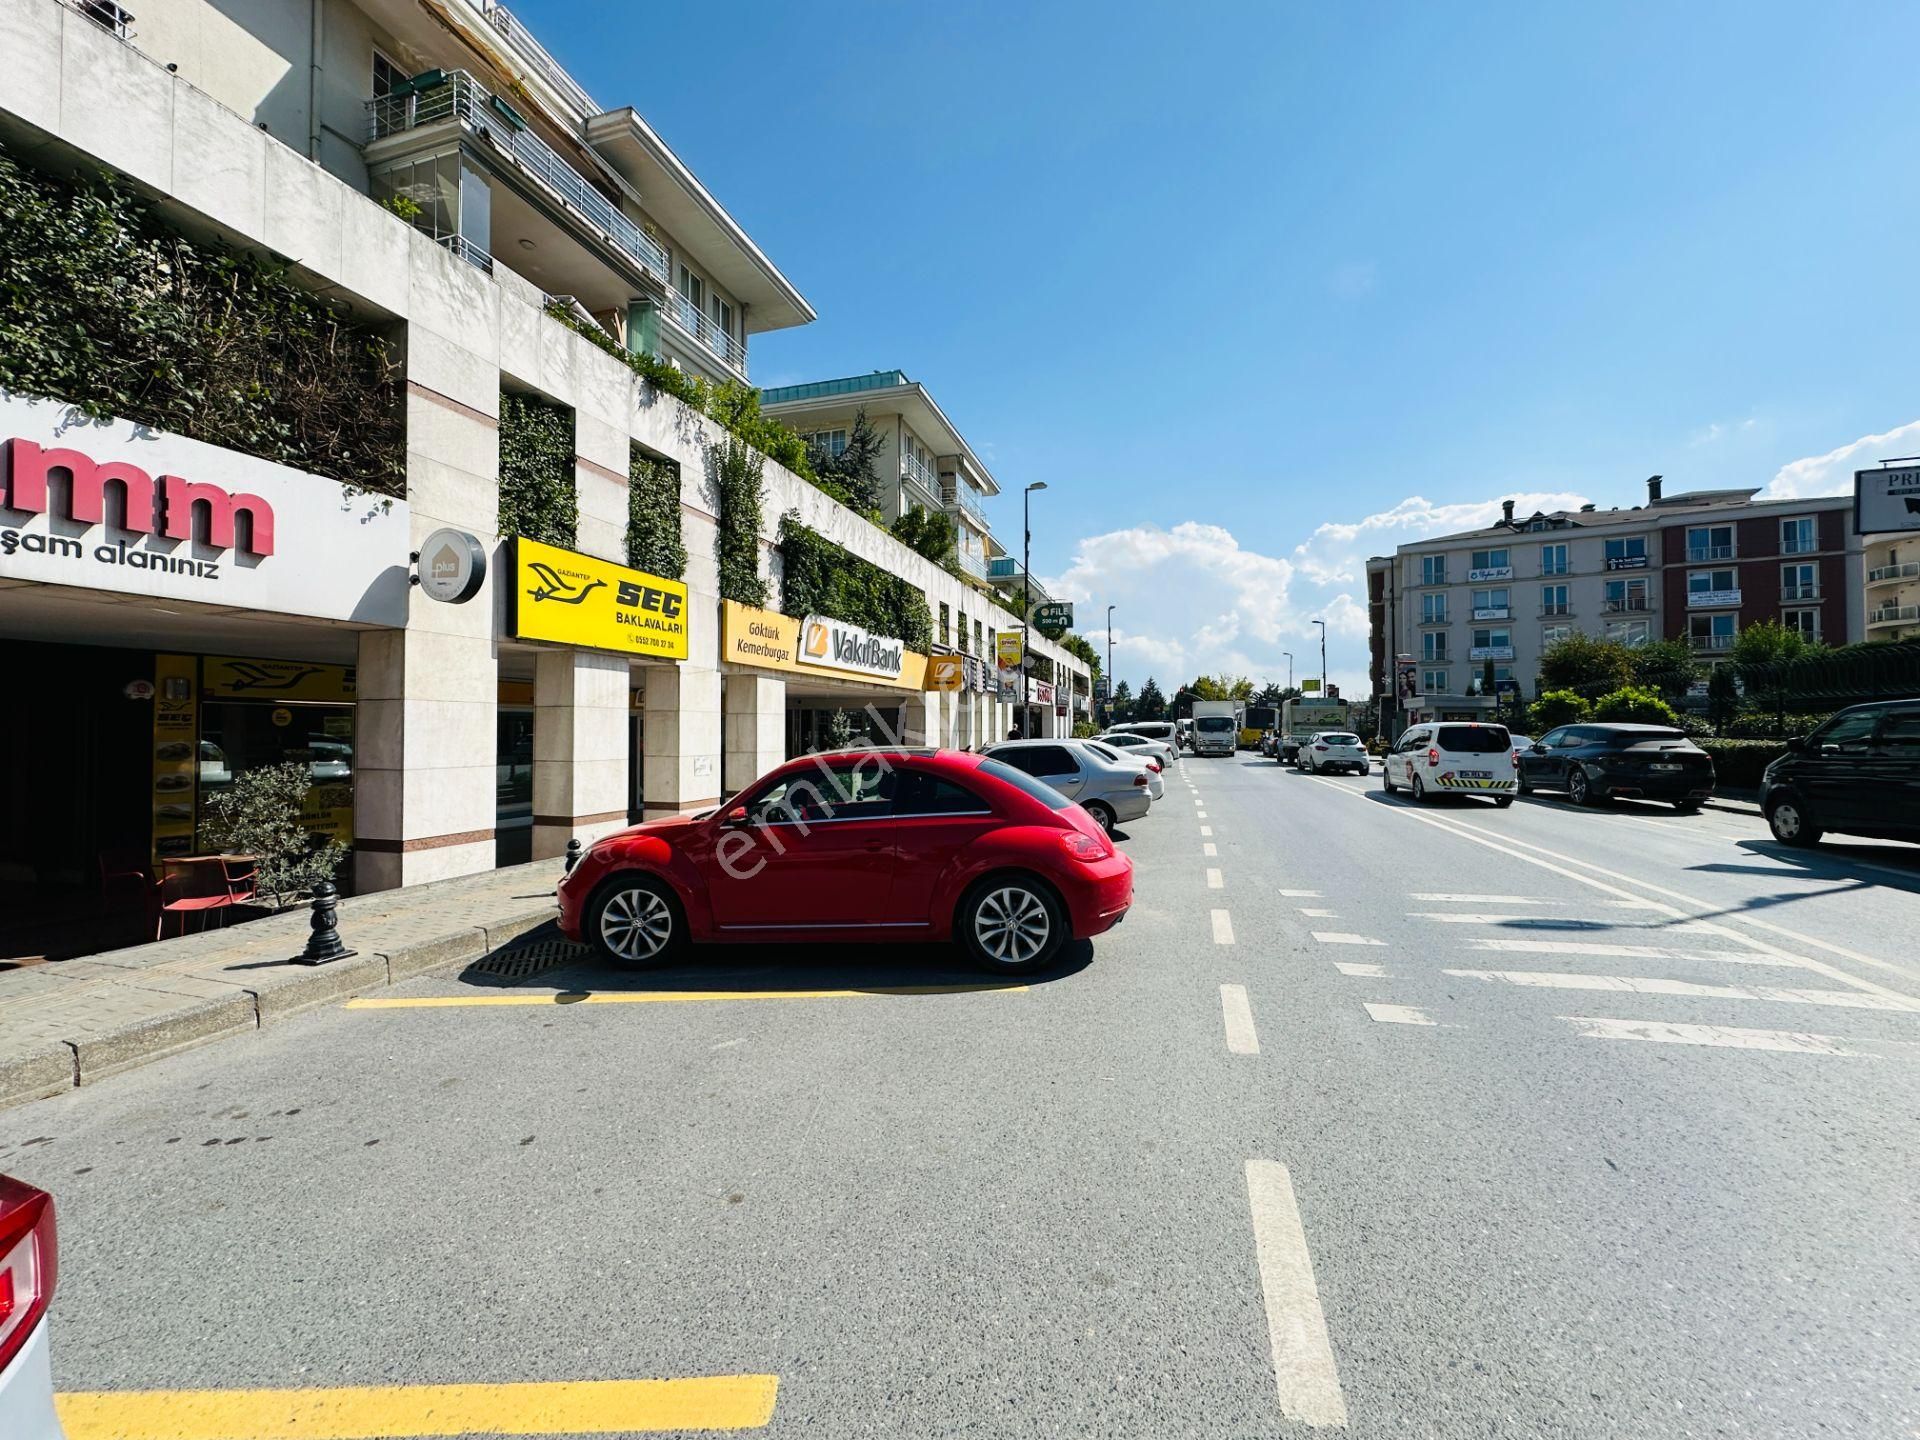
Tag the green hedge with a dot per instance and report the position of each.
(106, 306)
(738, 481)
(821, 578)
(654, 542)
(1737, 763)
(537, 497)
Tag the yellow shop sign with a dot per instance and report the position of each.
(768, 640)
(574, 599)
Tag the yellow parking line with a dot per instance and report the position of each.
(665, 997)
(574, 1407)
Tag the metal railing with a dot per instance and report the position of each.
(1712, 642)
(911, 467)
(1550, 612)
(522, 43)
(965, 498)
(704, 328)
(1800, 592)
(467, 251)
(973, 564)
(459, 97)
(1880, 574)
(1697, 554)
(1631, 605)
(1894, 614)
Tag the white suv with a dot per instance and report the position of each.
(1457, 757)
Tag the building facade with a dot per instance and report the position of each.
(190, 610)
(1694, 567)
(1892, 598)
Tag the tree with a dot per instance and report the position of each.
(1120, 707)
(1488, 684)
(1767, 642)
(1630, 705)
(261, 814)
(1083, 649)
(1152, 704)
(929, 534)
(852, 470)
(1666, 667)
(1557, 708)
(1723, 696)
(1586, 666)
(1220, 687)
(1271, 694)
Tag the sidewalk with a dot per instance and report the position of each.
(75, 1022)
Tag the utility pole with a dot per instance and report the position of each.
(1289, 655)
(1323, 657)
(1109, 664)
(1026, 607)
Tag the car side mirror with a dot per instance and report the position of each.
(734, 819)
(1538, 748)
(1796, 744)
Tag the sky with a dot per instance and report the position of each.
(1259, 291)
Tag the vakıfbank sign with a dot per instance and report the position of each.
(573, 599)
(816, 645)
(836, 645)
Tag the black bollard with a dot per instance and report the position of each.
(323, 944)
(573, 853)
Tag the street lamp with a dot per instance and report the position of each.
(1026, 609)
(1289, 655)
(1323, 657)
(1110, 664)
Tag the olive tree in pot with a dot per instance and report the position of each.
(260, 814)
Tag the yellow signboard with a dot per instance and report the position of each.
(1008, 649)
(946, 672)
(233, 677)
(574, 599)
(768, 640)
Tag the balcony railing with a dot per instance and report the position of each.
(1800, 592)
(1713, 642)
(704, 328)
(1555, 612)
(1894, 615)
(467, 251)
(1882, 574)
(1633, 604)
(973, 564)
(919, 474)
(966, 499)
(522, 43)
(1696, 554)
(459, 97)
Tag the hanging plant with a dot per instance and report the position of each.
(738, 483)
(821, 578)
(537, 497)
(653, 515)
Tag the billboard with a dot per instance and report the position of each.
(1886, 499)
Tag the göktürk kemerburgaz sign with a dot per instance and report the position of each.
(117, 506)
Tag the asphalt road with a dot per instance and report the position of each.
(1516, 1123)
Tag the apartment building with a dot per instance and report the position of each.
(1694, 566)
(1892, 600)
(181, 611)
(925, 463)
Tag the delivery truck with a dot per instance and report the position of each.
(1216, 726)
(1300, 718)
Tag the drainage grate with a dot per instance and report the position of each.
(523, 962)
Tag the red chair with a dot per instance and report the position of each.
(202, 884)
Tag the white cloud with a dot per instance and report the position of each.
(1832, 473)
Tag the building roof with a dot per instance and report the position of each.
(882, 392)
(1690, 505)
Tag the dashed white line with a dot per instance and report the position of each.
(1214, 882)
(1343, 937)
(1354, 967)
(1208, 849)
(1648, 985)
(1206, 829)
(1300, 894)
(1237, 1014)
(1319, 914)
(1605, 950)
(1732, 1037)
(1398, 1014)
(1445, 898)
(1304, 1374)
(1222, 928)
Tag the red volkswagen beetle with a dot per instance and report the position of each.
(859, 845)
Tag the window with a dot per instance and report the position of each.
(1023, 782)
(1902, 730)
(1699, 581)
(1433, 645)
(1712, 632)
(387, 76)
(1554, 634)
(1484, 600)
(721, 313)
(1807, 622)
(822, 793)
(1492, 638)
(1474, 739)
(1554, 737)
(1800, 581)
(930, 795)
(1709, 542)
(834, 442)
(1630, 632)
(1434, 682)
(1554, 601)
(1039, 761)
(979, 645)
(1489, 560)
(1433, 609)
(1625, 595)
(693, 288)
(1433, 569)
(1851, 729)
(963, 636)
(1799, 536)
(1629, 547)
(1553, 559)
(1502, 674)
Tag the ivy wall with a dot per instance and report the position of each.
(537, 497)
(822, 578)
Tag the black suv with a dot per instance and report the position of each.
(1593, 763)
(1859, 774)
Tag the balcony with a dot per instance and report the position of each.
(1632, 605)
(1894, 574)
(522, 43)
(1712, 642)
(922, 484)
(973, 564)
(964, 500)
(1555, 612)
(1894, 615)
(1800, 592)
(707, 331)
(1699, 554)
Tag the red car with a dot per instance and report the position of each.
(859, 845)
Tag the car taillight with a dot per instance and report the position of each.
(29, 1263)
(1319, 747)
(1084, 847)
(1433, 758)
(1515, 757)
(1140, 779)
(1154, 765)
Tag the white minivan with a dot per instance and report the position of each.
(1457, 757)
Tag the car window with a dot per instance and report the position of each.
(1053, 760)
(1214, 722)
(1554, 737)
(1102, 751)
(827, 792)
(1902, 729)
(1335, 737)
(1413, 740)
(1474, 739)
(921, 794)
(1851, 728)
(1027, 784)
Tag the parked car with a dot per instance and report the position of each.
(868, 846)
(1269, 741)
(1287, 749)
(1858, 774)
(1594, 763)
(1165, 731)
(1160, 750)
(1156, 787)
(1456, 757)
(1109, 790)
(29, 1265)
(1335, 750)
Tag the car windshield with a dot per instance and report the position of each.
(1020, 780)
(1336, 737)
(1474, 739)
(1214, 722)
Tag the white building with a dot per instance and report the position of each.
(1892, 600)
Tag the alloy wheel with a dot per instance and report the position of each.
(1012, 925)
(636, 924)
(1577, 788)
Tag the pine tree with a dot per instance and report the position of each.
(1152, 704)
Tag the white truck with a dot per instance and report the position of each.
(1216, 726)
(1299, 718)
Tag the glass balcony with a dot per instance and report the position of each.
(1893, 574)
(1696, 554)
(1894, 615)
(1632, 603)
(973, 564)
(1712, 642)
(966, 500)
(544, 65)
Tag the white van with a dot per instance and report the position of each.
(1453, 756)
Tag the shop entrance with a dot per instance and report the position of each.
(816, 723)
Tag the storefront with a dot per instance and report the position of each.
(844, 684)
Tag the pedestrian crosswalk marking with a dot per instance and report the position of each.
(1398, 1014)
(1354, 967)
(1651, 985)
(1343, 937)
(1606, 950)
(1727, 1036)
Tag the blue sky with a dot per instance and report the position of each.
(1261, 290)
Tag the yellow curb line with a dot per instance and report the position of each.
(667, 997)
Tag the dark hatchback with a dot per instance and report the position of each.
(1593, 763)
(1858, 774)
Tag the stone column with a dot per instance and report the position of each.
(919, 720)
(755, 729)
(682, 767)
(579, 748)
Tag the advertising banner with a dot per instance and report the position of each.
(573, 599)
(1886, 499)
(946, 672)
(1008, 649)
(830, 644)
(768, 640)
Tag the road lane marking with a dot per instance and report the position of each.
(1631, 952)
(1469, 832)
(1732, 1037)
(1344, 937)
(1354, 967)
(1452, 899)
(1214, 882)
(1543, 922)
(1199, 814)
(1319, 914)
(662, 997)
(1300, 894)
(1304, 1374)
(1648, 985)
(1206, 830)
(1237, 1013)
(576, 1407)
(1208, 849)
(1398, 1014)
(1222, 928)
